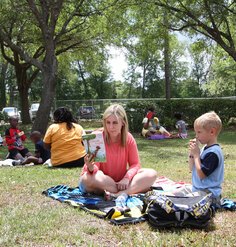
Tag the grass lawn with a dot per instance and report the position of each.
(27, 218)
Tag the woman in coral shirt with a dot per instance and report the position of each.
(121, 173)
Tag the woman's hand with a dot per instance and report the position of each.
(122, 184)
(88, 160)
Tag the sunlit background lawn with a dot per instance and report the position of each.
(27, 218)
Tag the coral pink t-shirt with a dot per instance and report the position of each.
(120, 161)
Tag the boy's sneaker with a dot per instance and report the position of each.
(16, 162)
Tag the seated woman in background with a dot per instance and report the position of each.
(121, 173)
(153, 130)
(64, 139)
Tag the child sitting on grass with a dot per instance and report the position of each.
(207, 165)
(41, 154)
(14, 140)
(181, 126)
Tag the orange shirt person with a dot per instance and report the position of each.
(64, 139)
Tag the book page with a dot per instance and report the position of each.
(94, 144)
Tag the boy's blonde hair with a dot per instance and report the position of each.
(209, 120)
(118, 111)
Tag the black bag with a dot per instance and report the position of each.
(172, 211)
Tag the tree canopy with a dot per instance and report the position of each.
(59, 49)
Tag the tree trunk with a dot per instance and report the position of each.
(167, 59)
(23, 88)
(3, 100)
(144, 81)
(48, 93)
(24, 103)
(84, 81)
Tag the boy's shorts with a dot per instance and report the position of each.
(14, 152)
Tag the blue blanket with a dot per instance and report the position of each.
(96, 205)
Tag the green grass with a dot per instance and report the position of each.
(27, 218)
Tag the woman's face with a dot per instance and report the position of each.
(113, 126)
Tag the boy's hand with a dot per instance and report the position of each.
(194, 147)
(21, 133)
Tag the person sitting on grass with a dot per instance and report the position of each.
(14, 139)
(40, 152)
(121, 173)
(64, 139)
(153, 130)
(207, 165)
(181, 126)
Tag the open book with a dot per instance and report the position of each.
(94, 144)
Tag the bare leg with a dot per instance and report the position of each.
(18, 157)
(30, 159)
(141, 182)
(98, 183)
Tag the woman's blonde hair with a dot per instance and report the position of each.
(209, 120)
(119, 112)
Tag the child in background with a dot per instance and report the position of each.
(181, 126)
(207, 165)
(160, 129)
(14, 140)
(151, 126)
(151, 113)
(40, 152)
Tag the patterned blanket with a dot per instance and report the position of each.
(96, 205)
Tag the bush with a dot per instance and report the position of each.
(3, 116)
(190, 108)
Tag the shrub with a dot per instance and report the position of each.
(190, 108)
(3, 116)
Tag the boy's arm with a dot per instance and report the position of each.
(37, 151)
(197, 163)
(37, 154)
(194, 158)
(47, 146)
(190, 162)
(22, 136)
(10, 140)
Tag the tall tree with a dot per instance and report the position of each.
(23, 78)
(3, 72)
(167, 55)
(214, 19)
(221, 80)
(59, 26)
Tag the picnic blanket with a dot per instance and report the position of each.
(167, 186)
(98, 206)
(133, 212)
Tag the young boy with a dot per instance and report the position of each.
(207, 165)
(14, 140)
(40, 152)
